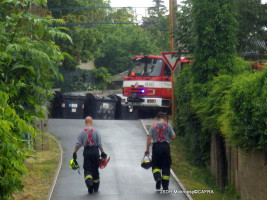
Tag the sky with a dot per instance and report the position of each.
(135, 3)
(142, 3)
(138, 3)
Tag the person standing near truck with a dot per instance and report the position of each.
(160, 134)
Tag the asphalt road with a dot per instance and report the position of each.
(123, 178)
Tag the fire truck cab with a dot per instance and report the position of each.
(148, 84)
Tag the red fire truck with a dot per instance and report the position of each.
(148, 84)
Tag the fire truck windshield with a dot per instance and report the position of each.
(146, 67)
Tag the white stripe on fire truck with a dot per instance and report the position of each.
(150, 84)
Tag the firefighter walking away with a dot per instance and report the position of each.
(160, 133)
(90, 139)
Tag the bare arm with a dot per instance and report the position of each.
(76, 149)
(148, 143)
(171, 132)
(102, 150)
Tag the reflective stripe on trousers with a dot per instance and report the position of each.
(87, 177)
(164, 177)
(156, 170)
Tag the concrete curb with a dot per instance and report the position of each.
(58, 169)
(181, 185)
(172, 172)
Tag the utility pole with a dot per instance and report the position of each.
(172, 49)
(174, 17)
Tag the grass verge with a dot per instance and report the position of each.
(196, 178)
(41, 173)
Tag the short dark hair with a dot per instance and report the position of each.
(161, 115)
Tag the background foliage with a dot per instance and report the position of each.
(251, 20)
(101, 77)
(112, 46)
(244, 121)
(13, 148)
(219, 93)
(121, 44)
(29, 60)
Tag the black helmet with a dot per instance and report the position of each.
(146, 163)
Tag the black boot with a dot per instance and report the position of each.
(158, 183)
(89, 184)
(96, 186)
(165, 184)
(91, 190)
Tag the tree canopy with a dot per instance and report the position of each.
(219, 93)
(29, 60)
(251, 26)
(121, 44)
(112, 46)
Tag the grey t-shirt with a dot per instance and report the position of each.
(83, 136)
(168, 132)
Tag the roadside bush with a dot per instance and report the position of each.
(205, 89)
(29, 61)
(13, 148)
(211, 106)
(29, 57)
(202, 108)
(244, 121)
(187, 123)
(102, 76)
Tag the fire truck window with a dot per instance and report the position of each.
(152, 67)
(167, 71)
(155, 69)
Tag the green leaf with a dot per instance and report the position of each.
(20, 66)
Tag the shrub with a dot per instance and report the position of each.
(13, 148)
(244, 121)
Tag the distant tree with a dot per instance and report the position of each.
(159, 29)
(252, 20)
(251, 26)
(86, 39)
(85, 47)
(101, 77)
(185, 31)
(121, 44)
(113, 46)
(215, 27)
(122, 15)
(161, 8)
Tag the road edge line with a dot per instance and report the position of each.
(58, 168)
(179, 183)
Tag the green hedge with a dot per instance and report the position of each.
(188, 123)
(13, 148)
(234, 105)
(245, 119)
(219, 93)
(29, 61)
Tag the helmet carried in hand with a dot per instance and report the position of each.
(146, 163)
(73, 164)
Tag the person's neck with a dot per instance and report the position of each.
(161, 120)
(88, 125)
